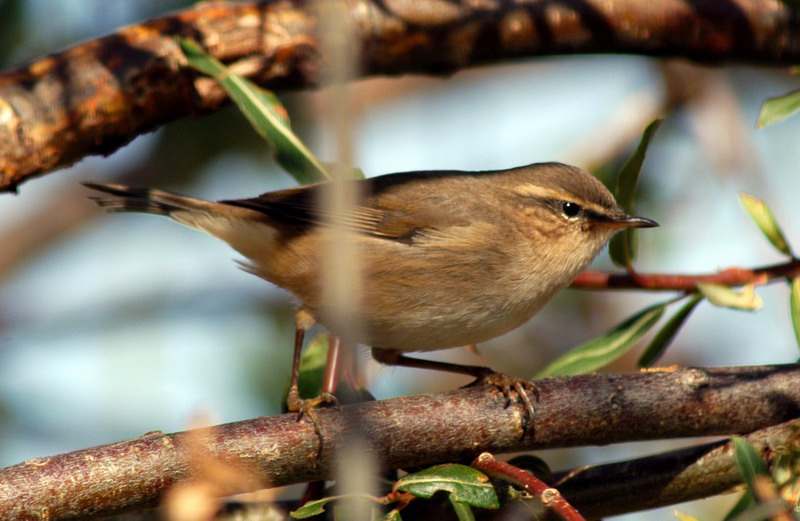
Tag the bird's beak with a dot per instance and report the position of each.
(629, 221)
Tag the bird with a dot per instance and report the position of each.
(448, 258)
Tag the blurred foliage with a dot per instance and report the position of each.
(13, 32)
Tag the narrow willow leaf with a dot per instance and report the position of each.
(748, 460)
(724, 296)
(463, 511)
(746, 501)
(623, 246)
(346, 171)
(312, 508)
(765, 221)
(604, 349)
(465, 484)
(680, 516)
(794, 305)
(665, 335)
(778, 109)
(265, 113)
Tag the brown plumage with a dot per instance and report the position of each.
(448, 258)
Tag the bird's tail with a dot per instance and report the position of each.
(246, 230)
(145, 200)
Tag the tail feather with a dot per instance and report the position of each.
(246, 230)
(145, 200)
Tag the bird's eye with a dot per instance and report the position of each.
(570, 209)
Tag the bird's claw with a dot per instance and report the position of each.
(506, 384)
(308, 406)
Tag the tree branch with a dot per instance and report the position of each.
(407, 432)
(600, 491)
(97, 96)
(676, 282)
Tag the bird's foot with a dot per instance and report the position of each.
(506, 384)
(308, 406)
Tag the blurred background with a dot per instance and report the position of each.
(115, 325)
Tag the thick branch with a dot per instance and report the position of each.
(97, 96)
(409, 431)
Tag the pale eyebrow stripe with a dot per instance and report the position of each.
(544, 194)
(541, 192)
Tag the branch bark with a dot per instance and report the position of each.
(678, 282)
(97, 96)
(406, 432)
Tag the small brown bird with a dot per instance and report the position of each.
(448, 258)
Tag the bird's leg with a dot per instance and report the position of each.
(304, 321)
(483, 375)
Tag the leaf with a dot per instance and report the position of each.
(392, 515)
(625, 190)
(766, 222)
(724, 296)
(604, 349)
(462, 510)
(313, 508)
(265, 113)
(683, 517)
(349, 172)
(465, 484)
(312, 366)
(665, 335)
(748, 460)
(778, 108)
(794, 305)
(746, 501)
(624, 245)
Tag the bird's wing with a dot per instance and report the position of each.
(384, 213)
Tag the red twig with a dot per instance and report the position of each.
(673, 282)
(551, 497)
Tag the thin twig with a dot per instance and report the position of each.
(675, 282)
(549, 496)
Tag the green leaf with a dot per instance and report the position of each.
(604, 349)
(313, 508)
(794, 305)
(265, 113)
(462, 510)
(317, 507)
(349, 172)
(726, 297)
(748, 460)
(766, 222)
(746, 501)
(392, 515)
(778, 109)
(665, 335)
(465, 484)
(312, 366)
(624, 245)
